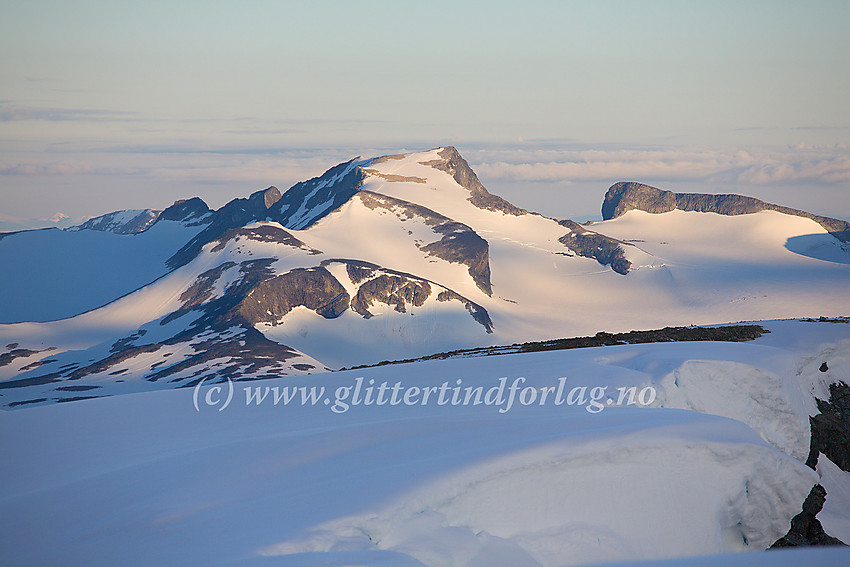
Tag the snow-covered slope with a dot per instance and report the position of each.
(54, 274)
(711, 266)
(186, 327)
(147, 479)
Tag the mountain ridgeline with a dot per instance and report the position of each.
(627, 196)
(394, 257)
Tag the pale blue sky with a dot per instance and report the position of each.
(108, 105)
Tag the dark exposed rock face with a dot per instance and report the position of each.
(454, 164)
(225, 325)
(728, 333)
(392, 290)
(478, 313)
(623, 197)
(185, 210)
(384, 159)
(830, 436)
(831, 428)
(235, 214)
(313, 288)
(393, 177)
(359, 271)
(308, 201)
(731, 333)
(215, 335)
(14, 352)
(399, 289)
(37, 363)
(268, 197)
(248, 352)
(122, 343)
(191, 212)
(589, 244)
(459, 243)
(806, 529)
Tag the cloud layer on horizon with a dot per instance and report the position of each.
(754, 166)
(562, 178)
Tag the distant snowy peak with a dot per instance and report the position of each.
(132, 221)
(190, 212)
(626, 196)
(419, 177)
(308, 202)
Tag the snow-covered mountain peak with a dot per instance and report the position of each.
(422, 184)
(188, 211)
(131, 221)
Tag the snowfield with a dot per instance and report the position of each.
(61, 273)
(145, 479)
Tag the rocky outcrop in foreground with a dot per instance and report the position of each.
(830, 437)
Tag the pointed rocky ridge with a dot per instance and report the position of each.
(235, 214)
(454, 164)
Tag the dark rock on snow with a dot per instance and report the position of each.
(589, 244)
(806, 529)
(626, 196)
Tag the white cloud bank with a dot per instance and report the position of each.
(829, 165)
(755, 166)
(562, 180)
